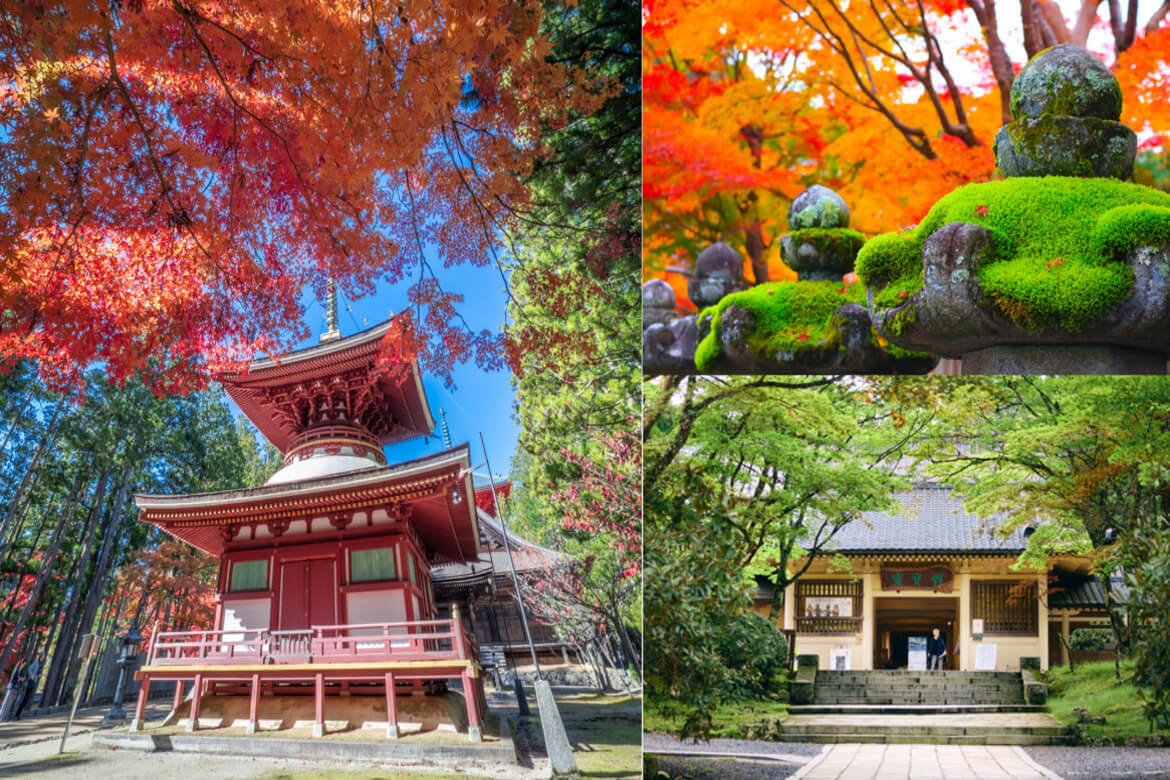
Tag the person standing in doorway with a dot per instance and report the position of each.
(936, 650)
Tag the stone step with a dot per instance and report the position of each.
(894, 673)
(935, 731)
(909, 709)
(896, 739)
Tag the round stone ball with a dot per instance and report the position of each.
(818, 207)
(1066, 80)
(719, 261)
(657, 294)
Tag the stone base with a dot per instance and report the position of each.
(1043, 359)
(318, 729)
(475, 733)
(135, 724)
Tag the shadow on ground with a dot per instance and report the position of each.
(53, 763)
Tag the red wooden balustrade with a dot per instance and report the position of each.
(416, 640)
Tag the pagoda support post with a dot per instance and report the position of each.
(140, 709)
(319, 701)
(474, 728)
(196, 697)
(178, 702)
(391, 708)
(253, 706)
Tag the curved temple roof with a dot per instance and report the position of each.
(449, 528)
(283, 396)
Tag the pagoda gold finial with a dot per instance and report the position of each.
(331, 332)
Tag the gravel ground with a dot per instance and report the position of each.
(1101, 763)
(653, 742)
(721, 768)
(88, 762)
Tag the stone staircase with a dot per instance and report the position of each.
(945, 707)
(919, 688)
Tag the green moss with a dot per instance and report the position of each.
(790, 317)
(1125, 228)
(840, 240)
(1054, 245)
(897, 292)
(888, 257)
(708, 350)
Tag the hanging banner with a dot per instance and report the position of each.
(935, 577)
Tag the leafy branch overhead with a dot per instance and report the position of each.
(176, 172)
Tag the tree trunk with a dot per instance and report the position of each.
(46, 567)
(18, 496)
(69, 630)
(97, 585)
(753, 237)
(16, 422)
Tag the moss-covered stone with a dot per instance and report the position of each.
(789, 317)
(1054, 243)
(821, 254)
(718, 272)
(798, 327)
(1065, 80)
(1065, 146)
(818, 206)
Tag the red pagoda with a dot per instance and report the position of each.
(325, 583)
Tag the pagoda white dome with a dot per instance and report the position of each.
(321, 465)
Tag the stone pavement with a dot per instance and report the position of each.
(969, 762)
(47, 727)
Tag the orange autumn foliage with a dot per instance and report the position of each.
(828, 96)
(178, 172)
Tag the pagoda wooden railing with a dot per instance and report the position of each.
(416, 640)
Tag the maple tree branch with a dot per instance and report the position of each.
(179, 213)
(1157, 17)
(916, 137)
(1001, 66)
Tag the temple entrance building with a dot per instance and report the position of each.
(933, 565)
(325, 584)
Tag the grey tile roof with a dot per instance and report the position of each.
(930, 519)
(1078, 591)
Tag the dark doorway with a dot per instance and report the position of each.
(896, 620)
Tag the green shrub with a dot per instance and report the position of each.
(752, 647)
(1090, 638)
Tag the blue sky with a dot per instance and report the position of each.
(481, 401)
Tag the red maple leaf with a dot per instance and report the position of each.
(802, 337)
(981, 211)
(1054, 261)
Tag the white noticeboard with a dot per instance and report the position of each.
(916, 653)
(985, 657)
(839, 659)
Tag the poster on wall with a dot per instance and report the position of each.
(828, 606)
(985, 657)
(916, 653)
(839, 659)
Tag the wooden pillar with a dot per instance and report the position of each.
(319, 701)
(1064, 634)
(254, 706)
(391, 708)
(178, 696)
(140, 709)
(474, 730)
(196, 696)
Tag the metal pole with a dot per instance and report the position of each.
(556, 739)
(511, 563)
(88, 651)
